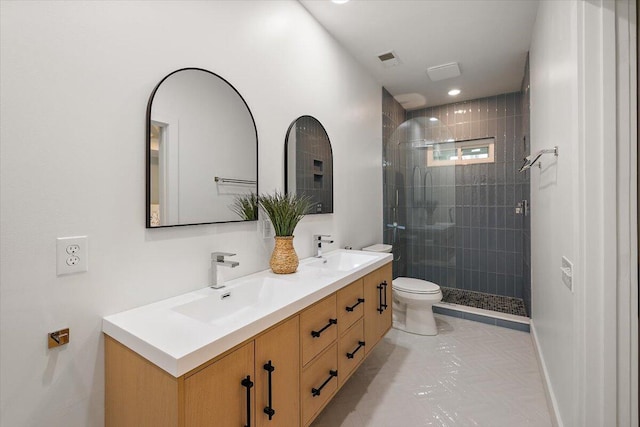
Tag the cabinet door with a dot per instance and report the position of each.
(281, 347)
(216, 397)
(377, 294)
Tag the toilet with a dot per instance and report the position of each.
(413, 301)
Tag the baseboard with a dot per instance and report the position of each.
(552, 403)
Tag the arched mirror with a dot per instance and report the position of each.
(202, 150)
(309, 163)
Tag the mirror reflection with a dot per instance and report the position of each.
(202, 150)
(309, 163)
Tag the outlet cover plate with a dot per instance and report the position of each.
(266, 228)
(72, 255)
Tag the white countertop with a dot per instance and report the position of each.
(181, 333)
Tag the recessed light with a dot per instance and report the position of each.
(454, 92)
(433, 119)
(339, 1)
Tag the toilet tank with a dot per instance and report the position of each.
(378, 247)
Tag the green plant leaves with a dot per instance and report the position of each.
(246, 206)
(284, 211)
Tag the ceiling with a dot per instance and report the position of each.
(488, 38)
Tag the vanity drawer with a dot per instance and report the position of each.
(350, 351)
(350, 305)
(319, 383)
(318, 328)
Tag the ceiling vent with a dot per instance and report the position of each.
(443, 72)
(389, 59)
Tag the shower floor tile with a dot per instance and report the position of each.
(491, 302)
(471, 374)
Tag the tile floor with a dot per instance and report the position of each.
(470, 374)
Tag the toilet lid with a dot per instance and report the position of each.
(379, 247)
(415, 286)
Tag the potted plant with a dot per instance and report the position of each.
(284, 211)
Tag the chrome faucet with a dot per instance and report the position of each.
(217, 258)
(318, 241)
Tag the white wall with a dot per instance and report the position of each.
(554, 100)
(573, 209)
(75, 80)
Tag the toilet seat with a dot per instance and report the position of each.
(415, 286)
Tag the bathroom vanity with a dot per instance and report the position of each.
(266, 350)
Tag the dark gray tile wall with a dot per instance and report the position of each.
(477, 241)
(314, 164)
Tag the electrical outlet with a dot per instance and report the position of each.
(266, 228)
(72, 255)
(73, 249)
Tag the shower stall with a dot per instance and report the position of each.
(455, 205)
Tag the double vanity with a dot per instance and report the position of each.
(265, 350)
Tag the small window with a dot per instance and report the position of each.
(461, 152)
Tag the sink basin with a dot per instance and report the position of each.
(342, 261)
(181, 333)
(225, 304)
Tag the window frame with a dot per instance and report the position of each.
(488, 142)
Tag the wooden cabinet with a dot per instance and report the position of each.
(278, 351)
(137, 392)
(309, 356)
(216, 396)
(225, 392)
(377, 313)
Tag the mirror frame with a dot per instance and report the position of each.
(286, 161)
(148, 149)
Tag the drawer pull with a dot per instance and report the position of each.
(316, 334)
(269, 409)
(360, 345)
(360, 301)
(384, 305)
(316, 391)
(246, 382)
